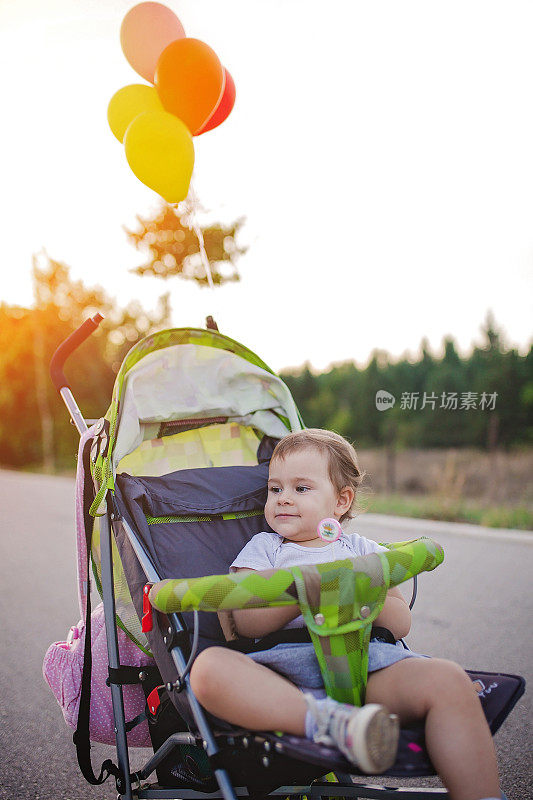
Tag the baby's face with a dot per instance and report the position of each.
(300, 495)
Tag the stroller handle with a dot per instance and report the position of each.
(67, 347)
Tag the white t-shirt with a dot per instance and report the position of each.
(267, 550)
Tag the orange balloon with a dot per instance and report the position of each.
(146, 30)
(224, 108)
(189, 79)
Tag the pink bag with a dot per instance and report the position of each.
(63, 669)
(63, 662)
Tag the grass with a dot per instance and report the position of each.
(457, 510)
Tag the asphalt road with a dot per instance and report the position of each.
(476, 609)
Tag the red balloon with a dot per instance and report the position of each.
(224, 108)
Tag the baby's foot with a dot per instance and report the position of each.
(366, 736)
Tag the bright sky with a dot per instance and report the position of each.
(381, 152)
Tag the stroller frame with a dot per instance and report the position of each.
(129, 784)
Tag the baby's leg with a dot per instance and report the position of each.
(233, 687)
(458, 738)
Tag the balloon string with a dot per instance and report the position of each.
(200, 236)
(205, 260)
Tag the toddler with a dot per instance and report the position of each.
(313, 475)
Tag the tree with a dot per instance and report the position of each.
(178, 245)
(448, 426)
(344, 397)
(34, 425)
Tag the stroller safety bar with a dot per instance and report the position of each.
(280, 587)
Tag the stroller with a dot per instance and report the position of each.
(172, 484)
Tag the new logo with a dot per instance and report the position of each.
(384, 400)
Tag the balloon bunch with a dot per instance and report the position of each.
(191, 93)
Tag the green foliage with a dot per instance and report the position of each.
(344, 398)
(458, 510)
(174, 248)
(34, 425)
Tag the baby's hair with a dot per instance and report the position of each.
(343, 468)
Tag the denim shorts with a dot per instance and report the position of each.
(298, 662)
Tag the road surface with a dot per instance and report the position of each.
(476, 609)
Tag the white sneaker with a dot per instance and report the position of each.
(366, 736)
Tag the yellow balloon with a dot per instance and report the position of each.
(128, 103)
(160, 153)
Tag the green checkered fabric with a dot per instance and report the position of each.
(220, 445)
(339, 601)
